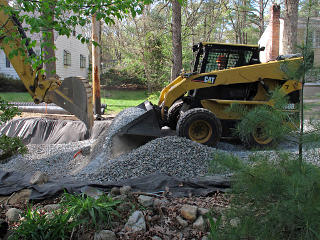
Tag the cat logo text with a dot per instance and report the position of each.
(206, 79)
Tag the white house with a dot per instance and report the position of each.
(272, 38)
(72, 57)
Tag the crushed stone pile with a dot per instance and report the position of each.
(170, 155)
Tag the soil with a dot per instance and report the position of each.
(160, 221)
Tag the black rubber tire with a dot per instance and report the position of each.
(253, 142)
(192, 117)
(174, 114)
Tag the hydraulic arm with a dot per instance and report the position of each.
(73, 94)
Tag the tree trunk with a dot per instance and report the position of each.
(176, 39)
(49, 55)
(96, 67)
(261, 17)
(48, 49)
(290, 26)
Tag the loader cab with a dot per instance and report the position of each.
(219, 56)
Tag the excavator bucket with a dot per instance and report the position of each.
(75, 96)
(137, 132)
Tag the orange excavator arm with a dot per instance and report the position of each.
(73, 94)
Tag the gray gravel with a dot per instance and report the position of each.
(170, 155)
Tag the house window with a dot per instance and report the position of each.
(7, 63)
(82, 61)
(66, 58)
(317, 38)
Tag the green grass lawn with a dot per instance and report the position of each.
(16, 96)
(116, 100)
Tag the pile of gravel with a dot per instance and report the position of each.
(170, 155)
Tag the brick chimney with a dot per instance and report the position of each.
(275, 32)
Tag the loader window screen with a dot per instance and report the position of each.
(233, 58)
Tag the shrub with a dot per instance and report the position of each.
(93, 211)
(77, 212)
(120, 77)
(9, 84)
(275, 122)
(273, 199)
(37, 225)
(9, 145)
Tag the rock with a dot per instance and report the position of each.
(136, 223)
(86, 150)
(145, 201)
(19, 197)
(13, 214)
(203, 211)
(105, 235)
(156, 238)
(189, 212)
(51, 207)
(182, 222)
(125, 190)
(115, 191)
(235, 222)
(205, 238)
(200, 224)
(39, 178)
(159, 203)
(91, 192)
(4, 226)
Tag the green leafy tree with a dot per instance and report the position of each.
(63, 16)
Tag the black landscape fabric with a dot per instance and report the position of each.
(11, 182)
(50, 131)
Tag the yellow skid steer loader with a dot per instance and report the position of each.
(195, 103)
(73, 94)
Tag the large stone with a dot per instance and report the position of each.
(51, 207)
(136, 223)
(200, 224)
(39, 178)
(91, 192)
(19, 197)
(13, 214)
(125, 190)
(189, 212)
(145, 201)
(115, 191)
(160, 203)
(182, 222)
(105, 235)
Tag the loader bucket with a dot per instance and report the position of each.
(75, 96)
(137, 132)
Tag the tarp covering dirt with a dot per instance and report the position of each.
(11, 182)
(50, 131)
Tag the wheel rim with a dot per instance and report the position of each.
(260, 137)
(200, 131)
